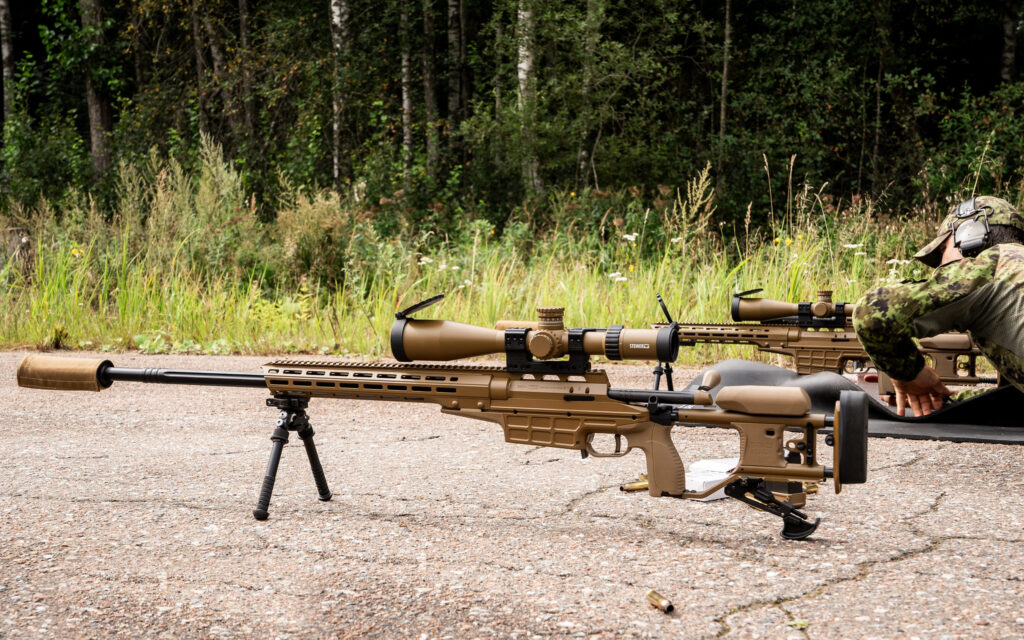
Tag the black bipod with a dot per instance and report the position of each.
(665, 368)
(293, 418)
(796, 525)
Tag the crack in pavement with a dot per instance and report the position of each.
(862, 571)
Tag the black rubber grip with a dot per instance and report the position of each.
(260, 512)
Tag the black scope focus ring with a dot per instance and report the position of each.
(667, 344)
(611, 342)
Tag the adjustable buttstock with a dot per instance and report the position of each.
(64, 374)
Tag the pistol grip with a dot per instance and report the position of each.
(666, 475)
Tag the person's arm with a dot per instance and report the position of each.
(888, 318)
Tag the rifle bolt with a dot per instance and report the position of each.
(659, 601)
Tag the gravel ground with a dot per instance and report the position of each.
(127, 514)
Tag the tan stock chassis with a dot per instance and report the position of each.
(565, 411)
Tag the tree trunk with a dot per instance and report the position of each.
(527, 97)
(7, 53)
(340, 46)
(96, 101)
(220, 73)
(1011, 15)
(592, 32)
(725, 86)
(429, 87)
(246, 70)
(197, 47)
(454, 63)
(406, 94)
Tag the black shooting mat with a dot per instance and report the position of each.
(996, 416)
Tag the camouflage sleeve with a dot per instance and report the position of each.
(887, 318)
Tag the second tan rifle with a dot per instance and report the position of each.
(541, 398)
(819, 336)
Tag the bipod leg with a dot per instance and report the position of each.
(323, 492)
(752, 491)
(293, 417)
(280, 438)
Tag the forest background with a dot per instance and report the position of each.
(210, 176)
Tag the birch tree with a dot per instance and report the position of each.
(340, 44)
(7, 53)
(527, 96)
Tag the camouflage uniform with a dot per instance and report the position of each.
(983, 295)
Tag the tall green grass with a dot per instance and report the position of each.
(185, 266)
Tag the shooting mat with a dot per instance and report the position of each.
(994, 417)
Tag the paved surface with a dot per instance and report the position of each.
(127, 514)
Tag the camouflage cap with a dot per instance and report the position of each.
(1000, 212)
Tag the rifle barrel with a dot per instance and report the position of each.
(182, 376)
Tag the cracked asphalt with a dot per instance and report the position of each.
(126, 513)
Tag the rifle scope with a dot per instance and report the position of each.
(546, 339)
(768, 310)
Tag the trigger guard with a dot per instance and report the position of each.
(618, 453)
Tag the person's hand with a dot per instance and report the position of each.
(923, 394)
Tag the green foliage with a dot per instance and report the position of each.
(168, 274)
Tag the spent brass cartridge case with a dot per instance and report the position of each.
(659, 601)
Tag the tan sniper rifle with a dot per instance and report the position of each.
(542, 399)
(819, 336)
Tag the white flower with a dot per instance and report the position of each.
(897, 261)
(614, 275)
(468, 282)
(455, 267)
(425, 260)
(630, 236)
(853, 246)
(442, 267)
(621, 279)
(860, 253)
(676, 239)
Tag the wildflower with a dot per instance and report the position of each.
(614, 275)
(897, 261)
(789, 241)
(630, 236)
(468, 282)
(777, 240)
(632, 267)
(676, 239)
(853, 246)
(76, 252)
(425, 260)
(455, 267)
(621, 279)
(799, 236)
(572, 194)
(860, 253)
